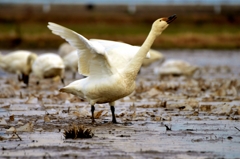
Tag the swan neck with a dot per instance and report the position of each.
(134, 65)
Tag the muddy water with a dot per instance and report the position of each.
(202, 113)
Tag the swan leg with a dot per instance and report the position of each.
(25, 79)
(92, 110)
(62, 80)
(113, 115)
(19, 78)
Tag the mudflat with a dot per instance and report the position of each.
(166, 116)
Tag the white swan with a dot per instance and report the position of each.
(64, 49)
(71, 62)
(111, 76)
(154, 56)
(48, 65)
(18, 62)
(175, 67)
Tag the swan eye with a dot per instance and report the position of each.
(160, 20)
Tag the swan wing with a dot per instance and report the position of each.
(119, 53)
(92, 56)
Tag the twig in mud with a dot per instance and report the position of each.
(18, 136)
(167, 128)
(237, 128)
(164, 104)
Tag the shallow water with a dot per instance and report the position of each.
(204, 123)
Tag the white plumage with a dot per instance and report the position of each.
(118, 53)
(154, 57)
(71, 62)
(110, 71)
(48, 65)
(65, 49)
(175, 67)
(18, 62)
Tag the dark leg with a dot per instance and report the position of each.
(62, 80)
(92, 110)
(113, 115)
(25, 79)
(19, 78)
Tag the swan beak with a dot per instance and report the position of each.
(171, 18)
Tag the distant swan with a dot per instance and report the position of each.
(18, 62)
(64, 49)
(175, 67)
(154, 57)
(110, 75)
(71, 62)
(48, 65)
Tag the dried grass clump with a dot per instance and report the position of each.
(79, 131)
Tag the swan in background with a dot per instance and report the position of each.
(71, 62)
(175, 67)
(48, 65)
(64, 49)
(154, 57)
(110, 76)
(18, 62)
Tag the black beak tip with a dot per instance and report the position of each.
(171, 18)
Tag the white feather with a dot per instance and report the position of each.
(71, 61)
(175, 67)
(64, 49)
(16, 62)
(48, 65)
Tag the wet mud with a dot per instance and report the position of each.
(166, 116)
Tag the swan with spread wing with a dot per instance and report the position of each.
(111, 72)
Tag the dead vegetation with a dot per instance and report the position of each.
(78, 131)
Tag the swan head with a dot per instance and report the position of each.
(162, 23)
